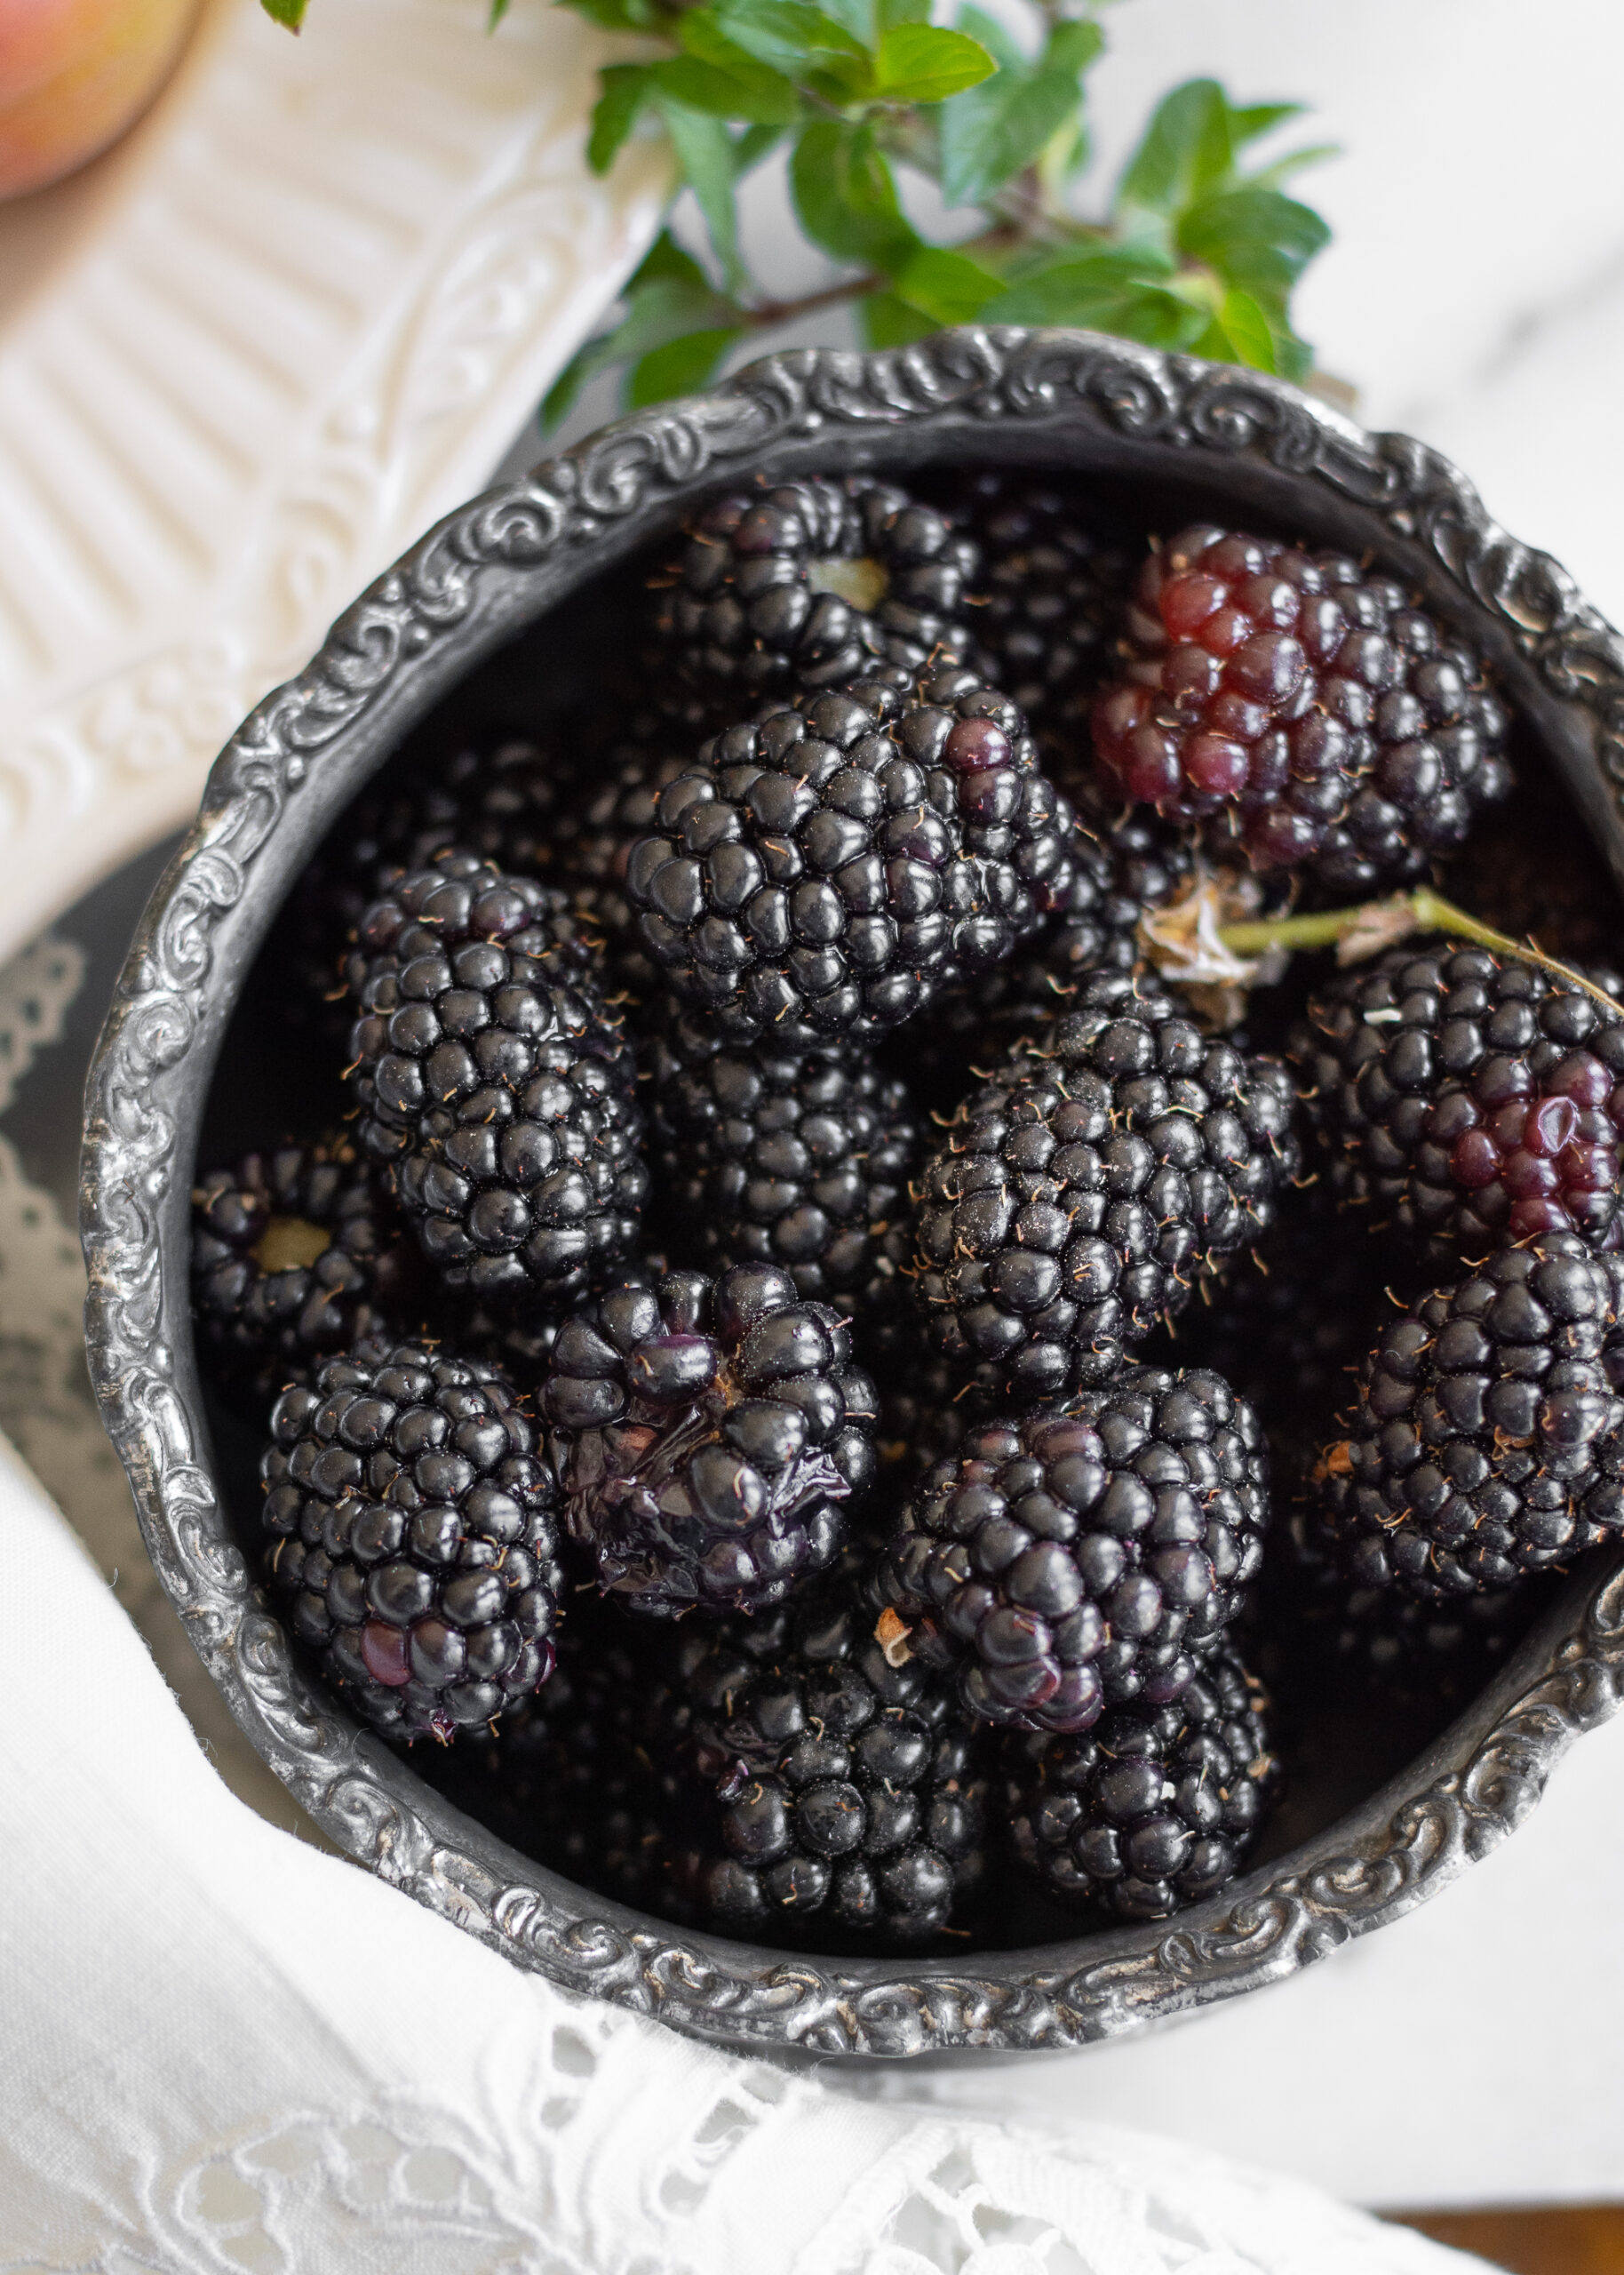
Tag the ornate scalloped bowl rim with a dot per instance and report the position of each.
(1053, 398)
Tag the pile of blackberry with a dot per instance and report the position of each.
(815, 1379)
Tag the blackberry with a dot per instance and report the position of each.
(295, 1255)
(803, 586)
(1469, 1099)
(1156, 1806)
(770, 1157)
(705, 1434)
(1082, 1555)
(1488, 1438)
(1047, 600)
(495, 1085)
(842, 1792)
(1304, 709)
(821, 874)
(412, 1536)
(1115, 1159)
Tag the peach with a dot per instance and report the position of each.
(74, 74)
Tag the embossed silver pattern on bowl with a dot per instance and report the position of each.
(1062, 400)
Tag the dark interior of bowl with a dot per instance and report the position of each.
(273, 1080)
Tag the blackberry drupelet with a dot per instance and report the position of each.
(296, 1254)
(773, 1157)
(821, 874)
(1085, 1554)
(1488, 1438)
(805, 585)
(1304, 709)
(495, 1085)
(1469, 1098)
(842, 1792)
(1048, 598)
(705, 1434)
(412, 1536)
(1156, 1806)
(1115, 1159)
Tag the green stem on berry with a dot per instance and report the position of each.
(1365, 931)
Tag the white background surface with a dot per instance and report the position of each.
(1476, 294)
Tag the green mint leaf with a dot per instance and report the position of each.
(1281, 169)
(705, 157)
(613, 15)
(1186, 150)
(845, 197)
(1248, 121)
(666, 299)
(678, 367)
(1000, 44)
(890, 12)
(1248, 330)
(1095, 291)
(498, 9)
(885, 321)
(665, 262)
(752, 145)
(1073, 46)
(1256, 240)
(289, 14)
(921, 63)
(623, 88)
(786, 34)
(948, 287)
(750, 92)
(991, 133)
(858, 17)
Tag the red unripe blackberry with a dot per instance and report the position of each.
(1300, 707)
(1083, 1554)
(1156, 1806)
(832, 1788)
(495, 1085)
(805, 585)
(1488, 1438)
(412, 1536)
(823, 873)
(705, 1434)
(774, 1157)
(296, 1254)
(1469, 1099)
(1077, 1198)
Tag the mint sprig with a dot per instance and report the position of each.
(1200, 248)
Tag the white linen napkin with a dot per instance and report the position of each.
(219, 2049)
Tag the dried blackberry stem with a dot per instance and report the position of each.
(1367, 929)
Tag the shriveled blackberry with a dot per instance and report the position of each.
(1488, 1438)
(1469, 1098)
(1082, 1555)
(772, 1157)
(295, 1254)
(1302, 707)
(705, 1434)
(495, 1085)
(1156, 1806)
(821, 874)
(842, 1792)
(805, 584)
(1047, 599)
(1079, 1196)
(412, 1536)
(1322, 1637)
(1123, 866)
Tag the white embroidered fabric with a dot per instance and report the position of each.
(225, 2051)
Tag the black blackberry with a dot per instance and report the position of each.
(495, 1085)
(842, 1792)
(1078, 1197)
(1122, 867)
(705, 1434)
(1156, 1806)
(770, 1157)
(1046, 600)
(1488, 1438)
(295, 1255)
(1305, 710)
(1082, 1555)
(412, 1536)
(821, 874)
(805, 585)
(1469, 1098)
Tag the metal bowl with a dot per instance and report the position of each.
(1231, 441)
